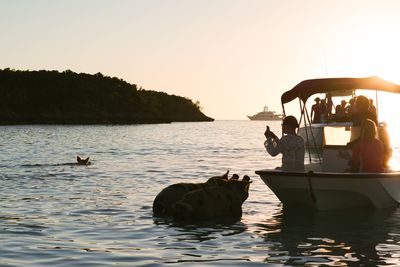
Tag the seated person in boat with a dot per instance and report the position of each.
(362, 111)
(371, 107)
(368, 154)
(340, 111)
(351, 108)
(290, 145)
(360, 114)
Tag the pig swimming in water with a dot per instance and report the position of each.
(219, 197)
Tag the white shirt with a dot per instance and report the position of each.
(292, 149)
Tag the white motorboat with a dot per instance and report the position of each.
(326, 184)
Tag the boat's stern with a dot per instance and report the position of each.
(329, 191)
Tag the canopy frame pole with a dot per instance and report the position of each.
(313, 138)
(284, 112)
(302, 108)
(301, 115)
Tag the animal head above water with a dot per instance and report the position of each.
(83, 161)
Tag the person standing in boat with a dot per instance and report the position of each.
(316, 111)
(329, 104)
(362, 111)
(323, 109)
(290, 145)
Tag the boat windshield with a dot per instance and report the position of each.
(340, 135)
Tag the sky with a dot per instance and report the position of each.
(234, 56)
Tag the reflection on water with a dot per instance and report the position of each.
(58, 214)
(337, 238)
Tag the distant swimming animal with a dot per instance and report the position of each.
(83, 161)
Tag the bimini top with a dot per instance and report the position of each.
(307, 88)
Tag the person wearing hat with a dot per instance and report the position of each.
(290, 145)
(316, 111)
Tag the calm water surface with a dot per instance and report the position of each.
(56, 214)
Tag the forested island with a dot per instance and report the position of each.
(52, 97)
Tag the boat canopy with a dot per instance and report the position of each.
(337, 86)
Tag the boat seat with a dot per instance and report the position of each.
(335, 158)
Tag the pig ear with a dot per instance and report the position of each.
(246, 178)
(234, 177)
(225, 176)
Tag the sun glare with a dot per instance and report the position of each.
(388, 107)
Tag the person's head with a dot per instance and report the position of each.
(343, 103)
(289, 125)
(362, 104)
(371, 101)
(317, 100)
(351, 101)
(368, 129)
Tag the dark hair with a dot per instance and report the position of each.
(291, 121)
(362, 102)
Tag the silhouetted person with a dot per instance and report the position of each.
(290, 145)
(329, 104)
(362, 111)
(340, 111)
(351, 108)
(371, 107)
(323, 110)
(316, 111)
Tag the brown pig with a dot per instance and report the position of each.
(166, 199)
(221, 201)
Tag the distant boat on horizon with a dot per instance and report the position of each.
(266, 115)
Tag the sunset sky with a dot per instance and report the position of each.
(233, 56)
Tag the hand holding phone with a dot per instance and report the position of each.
(267, 132)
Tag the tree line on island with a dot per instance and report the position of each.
(52, 97)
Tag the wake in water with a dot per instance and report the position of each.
(79, 162)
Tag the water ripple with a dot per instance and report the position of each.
(56, 213)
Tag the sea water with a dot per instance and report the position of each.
(54, 213)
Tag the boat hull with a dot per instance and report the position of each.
(330, 191)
